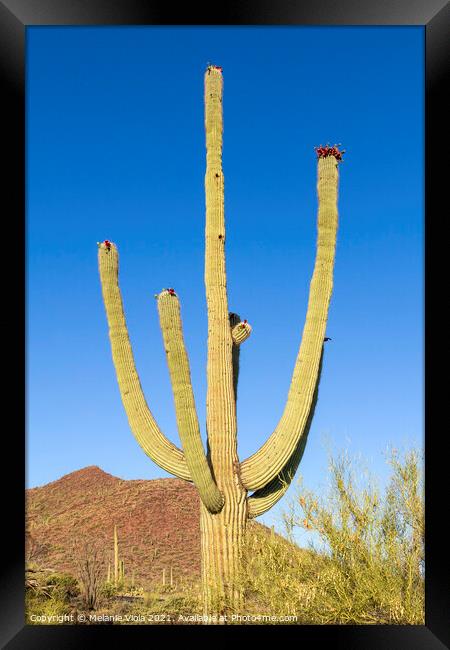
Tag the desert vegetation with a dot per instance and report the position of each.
(363, 565)
(365, 562)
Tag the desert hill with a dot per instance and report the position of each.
(157, 523)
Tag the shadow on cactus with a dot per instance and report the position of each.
(231, 491)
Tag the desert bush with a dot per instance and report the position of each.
(64, 586)
(277, 575)
(108, 590)
(48, 595)
(44, 611)
(36, 581)
(366, 564)
(90, 562)
(46, 583)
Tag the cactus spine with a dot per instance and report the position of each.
(222, 480)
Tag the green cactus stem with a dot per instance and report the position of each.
(264, 466)
(116, 557)
(186, 414)
(142, 423)
(221, 534)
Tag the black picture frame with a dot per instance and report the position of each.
(15, 17)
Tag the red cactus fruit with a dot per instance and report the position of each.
(171, 291)
(324, 152)
(107, 244)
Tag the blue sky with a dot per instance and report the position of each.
(116, 150)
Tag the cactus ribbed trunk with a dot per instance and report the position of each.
(221, 533)
(222, 537)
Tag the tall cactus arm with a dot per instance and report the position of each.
(142, 422)
(262, 500)
(186, 414)
(261, 468)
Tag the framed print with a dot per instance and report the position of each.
(289, 478)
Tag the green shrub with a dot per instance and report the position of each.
(64, 586)
(367, 564)
(48, 596)
(44, 611)
(108, 590)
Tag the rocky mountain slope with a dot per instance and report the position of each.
(157, 523)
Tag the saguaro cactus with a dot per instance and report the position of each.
(116, 557)
(223, 482)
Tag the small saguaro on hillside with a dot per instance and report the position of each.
(231, 491)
